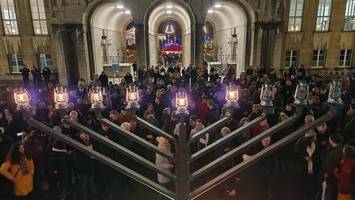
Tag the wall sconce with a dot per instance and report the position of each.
(181, 102)
(61, 98)
(22, 99)
(232, 95)
(96, 98)
(301, 94)
(132, 97)
(267, 95)
(335, 90)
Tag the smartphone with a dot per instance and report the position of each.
(19, 134)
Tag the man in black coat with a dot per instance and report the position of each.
(103, 79)
(46, 72)
(25, 76)
(36, 74)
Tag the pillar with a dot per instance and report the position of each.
(140, 47)
(199, 33)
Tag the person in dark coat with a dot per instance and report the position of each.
(46, 72)
(330, 162)
(36, 74)
(85, 168)
(128, 78)
(25, 76)
(103, 79)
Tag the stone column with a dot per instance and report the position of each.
(140, 47)
(269, 32)
(199, 33)
(59, 54)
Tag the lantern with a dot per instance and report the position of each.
(22, 99)
(96, 98)
(267, 95)
(232, 95)
(301, 94)
(132, 97)
(61, 98)
(181, 102)
(335, 90)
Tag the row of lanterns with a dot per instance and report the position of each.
(61, 97)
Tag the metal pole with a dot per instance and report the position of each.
(267, 151)
(242, 147)
(226, 139)
(130, 154)
(156, 130)
(182, 167)
(98, 156)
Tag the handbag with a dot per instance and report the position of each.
(7, 186)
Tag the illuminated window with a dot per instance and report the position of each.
(15, 62)
(349, 21)
(39, 17)
(319, 57)
(323, 15)
(345, 57)
(295, 16)
(45, 60)
(9, 17)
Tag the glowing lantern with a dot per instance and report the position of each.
(61, 98)
(181, 102)
(96, 98)
(232, 95)
(22, 99)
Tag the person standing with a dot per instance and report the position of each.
(25, 76)
(36, 74)
(19, 168)
(46, 72)
(103, 79)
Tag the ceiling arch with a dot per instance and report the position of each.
(109, 16)
(169, 11)
(227, 15)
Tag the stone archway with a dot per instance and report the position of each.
(159, 12)
(108, 23)
(232, 35)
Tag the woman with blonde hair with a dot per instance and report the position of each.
(162, 162)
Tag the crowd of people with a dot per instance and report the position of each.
(35, 163)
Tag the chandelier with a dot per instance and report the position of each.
(169, 29)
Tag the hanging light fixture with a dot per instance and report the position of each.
(181, 102)
(267, 95)
(301, 94)
(232, 95)
(61, 98)
(22, 99)
(96, 98)
(132, 97)
(335, 90)
(169, 29)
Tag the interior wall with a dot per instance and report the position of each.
(113, 20)
(224, 19)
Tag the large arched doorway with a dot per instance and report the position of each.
(229, 24)
(112, 36)
(159, 15)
